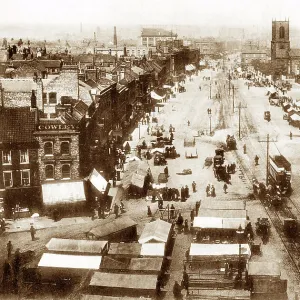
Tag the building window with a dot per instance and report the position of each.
(66, 171)
(52, 98)
(65, 148)
(281, 46)
(24, 158)
(6, 157)
(45, 98)
(7, 179)
(281, 32)
(48, 148)
(49, 172)
(25, 177)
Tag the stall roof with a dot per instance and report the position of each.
(295, 117)
(98, 297)
(223, 204)
(219, 249)
(223, 213)
(155, 231)
(153, 249)
(156, 96)
(63, 192)
(76, 246)
(260, 268)
(109, 226)
(98, 181)
(219, 223)
(63, 261)
(146, 264)
(113, 264)
(126, 281)
(130, 249)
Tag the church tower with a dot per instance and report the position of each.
(280, 47)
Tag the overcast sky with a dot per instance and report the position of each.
(150, 12)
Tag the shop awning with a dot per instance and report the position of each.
(76, 246)
(98, 181)
(156, 96)
(64, 261)
(63, 192)
(157, 231)
(219, 223)
(215, 204)
(295, 117)
(261, 268)
(125, 249)
(219, 250)
(190, 67)
(153, 249)
(166, 86)
(146, 264)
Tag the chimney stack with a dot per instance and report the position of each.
(115, 36)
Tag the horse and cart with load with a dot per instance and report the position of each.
(231, 142)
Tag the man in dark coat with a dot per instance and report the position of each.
(182, 193)
(166, 171)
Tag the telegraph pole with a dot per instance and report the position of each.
(240, 107)
(229, 79)
(233, 88)
(268, 159)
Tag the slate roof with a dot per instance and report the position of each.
(157, 32)
(18, 85)
(17, 125)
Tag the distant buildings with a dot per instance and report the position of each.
(150, 36)
(209, 47)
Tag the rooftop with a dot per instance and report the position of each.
(157, 32)
(18, 85)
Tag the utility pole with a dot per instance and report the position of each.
(229, 79)
(240, 107)
(233, 88)
(268, 159)
(210, 90)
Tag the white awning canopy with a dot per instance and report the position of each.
(98, 181)
(219, 223)
(155, 96)
(190, 67)
(64, 261)
(63, 192)
(153, 249)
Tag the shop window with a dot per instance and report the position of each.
(66, 171)
(48, 148)
(25, 177)
(24, 158)
(52, 98)
(65, 148)
(6, 157)
(49, 172)
(7, 179)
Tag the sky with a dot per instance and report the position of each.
(148, 12)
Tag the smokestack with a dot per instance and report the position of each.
(115, 36)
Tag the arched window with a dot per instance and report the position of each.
(65, 148)
(48, 148)
(66, 171)
(281, 32)
(49, 172)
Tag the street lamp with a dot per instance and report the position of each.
(209, 115)
(240, 235)
(210, 90)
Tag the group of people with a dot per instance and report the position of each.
(184, 193)
(210, 190)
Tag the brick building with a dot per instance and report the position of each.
(19, 173)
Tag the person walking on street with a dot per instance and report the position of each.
(32, 232)
(185, 280)
(256, 159)
(116, 210)
(213, 191)
(245, 148)
(207, 190)
(194, 186)
(172, 211)
(192, 215)
(197, 206)
(182, 193)
(225, 188)
(187, 192)
(291, 135)
(9, 248)
(166, 171)
(177, 290)
(189, 123)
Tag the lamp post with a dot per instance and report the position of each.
(210, 90)
(209, 115)
(240, 234)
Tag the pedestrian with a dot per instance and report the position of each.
(17, 262)
(122, 207)
(207, 190)
(194, 186)
(116, 210)
(225, 188)
(166, 171)
(291, 135)
(32, 232)
(187, 192)
(179, 220)
(9, 248)
(182, 194)
(186, 226)
(213, 191)
(185, 280)
(245, 148)
(197, 207)
(172, 211)
(149, 212)
(176, 290)
(192, 215)
(2, 224)
(7, 276)
(189, 123)
(256, 159)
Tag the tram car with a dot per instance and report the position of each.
(231, 142)
(219, 157)
(280, 173)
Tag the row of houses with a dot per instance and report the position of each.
(57, 126)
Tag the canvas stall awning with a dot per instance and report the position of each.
(124, 281)
(223, 250)
(63, 192)
(125, 249)
(295, 117)
(98, 181)
(63, 261)
(113, 264)
(157, 231)
(190, 67)
(261, 268)
(150, 264)
(223, 213)
(219, 223)
(76, 246)
(201, 63)
(159, 150)
(153, 249)
(156, 96)
(166, 86)
(215, 204)
(133, 179)
(109, 226)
